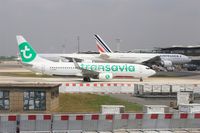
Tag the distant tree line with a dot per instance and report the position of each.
(7, 58)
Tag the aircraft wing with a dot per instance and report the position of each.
(86, 72)
(155, 60)
(71, 59)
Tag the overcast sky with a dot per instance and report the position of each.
(49, 24)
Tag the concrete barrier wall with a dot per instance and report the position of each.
(97, 88)
(128, 88)
(8, 123)
(35, 122)
(97, 122)
(110, 122)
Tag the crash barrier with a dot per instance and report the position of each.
(144, 89)
(60, 123)
(8, 123)
(97, 88)
(35, 122)
(110, 122)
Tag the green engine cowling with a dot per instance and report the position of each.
(105, 76)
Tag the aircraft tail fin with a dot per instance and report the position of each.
(27, 54)
(101, 45)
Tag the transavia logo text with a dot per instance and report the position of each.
(108, 68)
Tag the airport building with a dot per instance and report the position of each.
(29, 97)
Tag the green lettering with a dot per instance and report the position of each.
(93, 67)
(107, 76)
(100, 67)
(121, 68)
(131, 69)
(107, 68)
(87, 67)
(126, 68)
(82, 66)
(114, 68)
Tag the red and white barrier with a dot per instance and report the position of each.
(99, 84)
(98, 122)
(35, 122)
(8, 123)
(98, 88)
(109, 122)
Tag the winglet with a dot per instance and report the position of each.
(101, 45)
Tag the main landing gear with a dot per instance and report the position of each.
(141, 79)
(86, 79)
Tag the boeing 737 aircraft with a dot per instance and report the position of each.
(103, 71)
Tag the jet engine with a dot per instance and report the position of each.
(105, 76)
(166, 63)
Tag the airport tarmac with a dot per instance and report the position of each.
(149, 101)
(16, 73)
(154, 80)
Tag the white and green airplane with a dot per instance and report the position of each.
(103, 71)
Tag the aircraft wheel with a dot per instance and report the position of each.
(89, 79)
(141, 79)
(86, 79)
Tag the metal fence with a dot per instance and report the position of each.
(111, 122)
(8, 123)
(35, 122)
(62, 123)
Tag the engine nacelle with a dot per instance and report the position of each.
(166, 63)
(105, 76)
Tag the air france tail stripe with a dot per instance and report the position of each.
(102, 43)
(101, 50)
